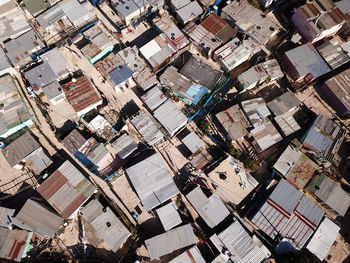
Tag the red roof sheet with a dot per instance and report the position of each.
(73, 206)
(213, 23)
(52, 185)
(80, 94)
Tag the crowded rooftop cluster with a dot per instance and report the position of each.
(175, 131)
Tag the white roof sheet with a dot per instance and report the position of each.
(193, 142)
(124, 146)
(193, 255)
(289, 213)
(170, 117)
(13, 23)
(154, 98)
(243, 247)
(147, 128)
(256, 110)
(170, 241)
(150, 49)
(266, 135)
(115, 234)
(212, 209)
(168, 215)
(152, 181)
(307, 60)
(98, 124)
(323, 239)
(287, 123)
(78, 13)
(189, 12)
(234, 53)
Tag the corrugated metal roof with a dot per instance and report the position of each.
(19, 49)
(331, 193)
(193, 142)
(273, 69)
(189, 12)
(177, 4)
(141, 73)
(41, 75)
(79, 13)
(324, 137)
(13, 243)
(306, 61)
(323, 239)
(261, 28)
(158, 51)
(6, 216)
(114, 68)
(235, 52)
(147, 128)
(339, 85)
(152, 181)
(283, 103)
(131, 58)
(200, 72)
(53, 90)
(242, 247)
(50, 16)
(202, 37)
(333, 53)
(66, 189)
(154, 98)
(316, 20)
(56, 61)
(344, 6)
(289, 213)
(253, 77)
(4, 61)
(100, 125)
(212, 209)
(295, 166)
(219, 27)
(115, 233)
(13, 23)
(14, 112)
(200, 158)
(97, 153)
(188, 91)
(346, 47)
(193, 255)
(170, 241)
(169, 216)
(73, 141)
(124, 146)
(170, 117)
(34, 217)
(167, 26)
(256, 111)
(38, 161)
(287, 123)
(19, 149)
(234, 122)
(98, 42)
(266, 135)
(286, 196)
(81, 95)
(126, 9)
